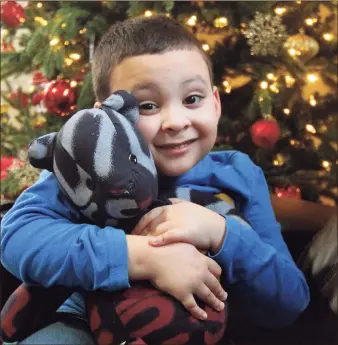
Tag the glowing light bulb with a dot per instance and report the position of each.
(227, 86)
(271, 76)
(289, 81)
(312, 78)
(221, 22)
(73, 83)
(312, 101)
(264, 84)
(54, 41)
(286, 111)
(280, 10)
(274, 88)
(293, 52)
(310, 128)
(206, 47)
(310, 21)
(192, 21)
(75, 56)
(68, 61)
(148, 13)
(328, 36)
(39, 5)
(326, 165)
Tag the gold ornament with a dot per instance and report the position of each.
(301, 47)
(265, 34)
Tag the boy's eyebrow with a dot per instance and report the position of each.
(144, 86)
(153, 86)
(195, 78)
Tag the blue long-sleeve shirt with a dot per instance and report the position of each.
(41, 244)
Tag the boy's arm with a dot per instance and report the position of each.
(269, 287)
(41, 244)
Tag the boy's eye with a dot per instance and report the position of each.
(147, 106)
(193, 99)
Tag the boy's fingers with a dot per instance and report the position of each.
(171, 236)
(216, 288)
(176, 201)
(159, 225)
(207, 296)
(214, 267)
(191, 305)
(146, 220)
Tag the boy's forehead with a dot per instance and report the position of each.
(146, 72)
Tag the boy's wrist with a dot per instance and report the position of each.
(138, 252)
(218, 234)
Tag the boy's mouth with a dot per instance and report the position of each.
(176, 146)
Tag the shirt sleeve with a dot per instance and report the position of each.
(267, 285)
(41, 244)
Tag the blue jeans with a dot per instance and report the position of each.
(66, 332)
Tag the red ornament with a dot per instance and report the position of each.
(37, 98)
(291, 192)
(60, 97)
(6, 163)
(12, 14)
(39, 78)
(265, 133)
(21, 102)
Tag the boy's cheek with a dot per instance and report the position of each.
(148, 131)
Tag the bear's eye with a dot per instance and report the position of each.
(133, 158)
(89, 184)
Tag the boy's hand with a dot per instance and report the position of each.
(182, 271)
(183, 222)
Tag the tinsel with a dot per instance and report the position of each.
(20, 176)
(265, 34)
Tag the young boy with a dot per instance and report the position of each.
(163, 65)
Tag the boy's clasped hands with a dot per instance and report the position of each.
(186, 226)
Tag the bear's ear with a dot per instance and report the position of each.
(125, 103)
(41, 151)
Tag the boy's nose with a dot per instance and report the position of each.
(175, 120)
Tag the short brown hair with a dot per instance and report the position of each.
(138, 36)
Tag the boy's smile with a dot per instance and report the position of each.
(178, 107)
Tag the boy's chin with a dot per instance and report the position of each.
(174, 169)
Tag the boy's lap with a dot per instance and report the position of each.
(68, 332)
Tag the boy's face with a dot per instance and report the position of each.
(179, 110)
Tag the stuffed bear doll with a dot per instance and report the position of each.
(104, 168)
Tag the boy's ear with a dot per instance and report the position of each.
(41, 151)
(97, 105)
(217, 102)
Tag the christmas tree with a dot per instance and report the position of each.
(275, 65)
